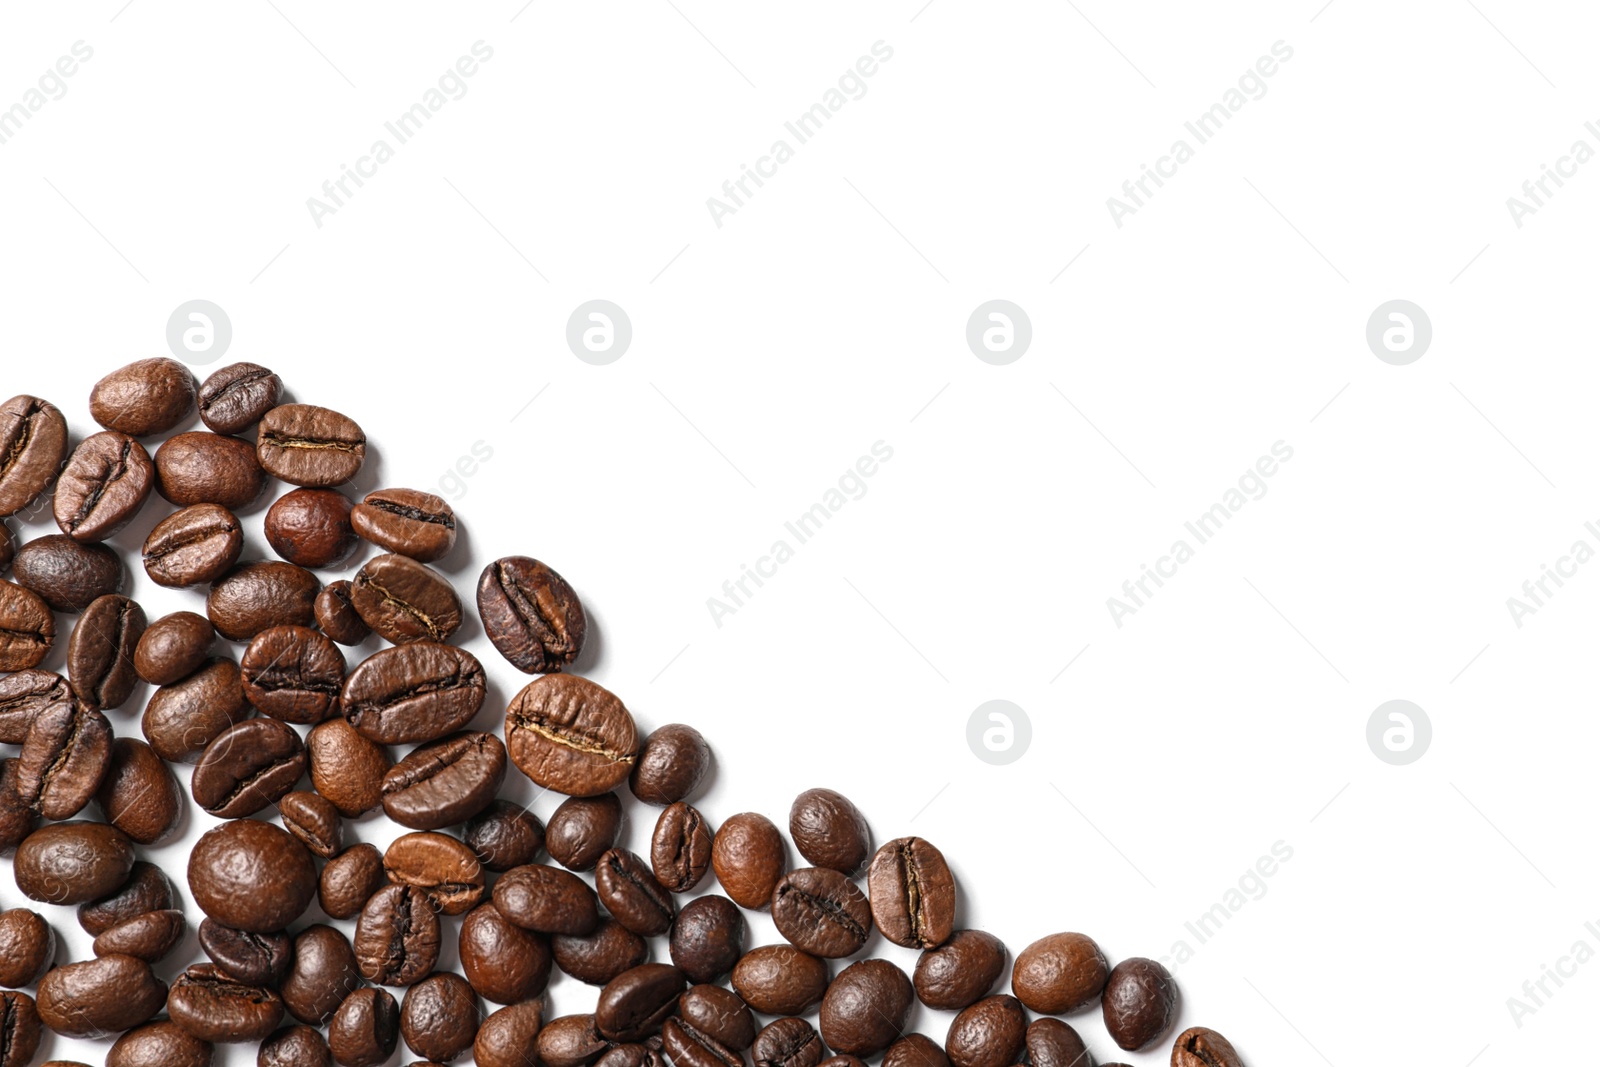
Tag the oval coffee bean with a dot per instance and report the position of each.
(720, 1014)
(750, 858)
(234, 398)
(72, 862)
(323, 974)
(671, 764)
(508, 1037)
(583, 829)
(821, 911)
(446, 870)
(64, 759)
(183, 718)
(101, 649)
(439, 1017)
(314, 820)
(866, 1008)
(404, 601)
(632, 895)
(1195, 1047)
(829, 830)
(445, 782)
(412, 523)
(635, 1003)
(338, 617)
(214, 1007)
(27, 629)
(294, 1046)
(208, 468)
(311, 527)
(148, 937)
(251, 876)
(1059, 974)
(307, 445)
(570, 1041)
(100, 996)
(33, 442)
(680, 849)
(547, 899)
(193, 546)
(397, 936)
(505, 834)
(780, 980)
(146, 397)
(788, 1042)
(17, 818)
(504, 962)
(258, 596)
(346, 767)
(913, 893)
(173, 647)
(159, 1044)
(349, 880)
(23, 695)
(147, 888)
(916, 1050)
(990, 1033)
(1052, 1043)
(1139, 1004)
(415, 692)
(248, 767)
(531, 614)
(27, 947)
(103, 486)
(365, 1029)
(293, 673)
(67, 574)
(600, 955)
(570, 735)
(707, 938)
(686, 1046)
(960, 972)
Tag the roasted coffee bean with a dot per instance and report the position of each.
(600, 955)
(1052, 1043)
(100, 651)
(258, 596)
(234, 398)
(570, 735)
(531, 614)
(20, 1031)
(337, 616)
(412, 523)
(416, 692)
(397, 936)
(508, 1037)
(720, 1014)
(208, 468)
(33, 442)
(313, 819)
(447, 871)
(1059, 974)
(23, 695)
(504, 962)
(788, 1042)
(103, 486)
(159, 1044)
(1195, 1047)
(323, 974)
(917, 1050)
(67, 574)
(184, 717)
(961, 971)
(439, 1017)
(251, 876)
(146, 397)
(707, 938)
(632, 895)
(1139, 1003)
(27, 947)
(583, 829)
(311, 527)
(829, 830)
(190, 547)
(347, 767)
(913, 893)
(64, 759)
(990, 1033)
(72, 862)
(547, 899)
(570, 1041)
(505, 835)
(866, 1008)
(17, 818)
(780, 979)
(146, 888)
(349, 880)
(254, 959)
(294, 1046)
(27, 629)
(821, 911)
(173, 647)
(210, 1005)
(248, 767)
(671, 764)
(365, 1029)
(680, 849)
(404, 601)
(634, 1004)
(148, 937)
(445, 782)
(293, 673)
(686, 1046)
(307, 445)
(100, 996)
(749, 857)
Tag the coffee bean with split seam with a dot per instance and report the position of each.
(64, 759)
(397, 936)
(293, 673)
(415, 692)
(33, 441)
(441, 866)
(788, 1042)
(412, 523)
(254, 959)
(313, 819)
(634, 1004)
(234, 398)
(365, 1029)
(571, 735)
(214, 1007)
(531, 614)
(632, 895)
(103, 486)
(821, 911)
(27, 628)
(100, 652)
(913, 893)
(195, 545)
(23, 695)
(145, 888)
(1197, 1047)
(446, 782)
(248, 767)
(404, 601)
(311, 446)
(680, 848)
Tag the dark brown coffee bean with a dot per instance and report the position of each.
(635, 1003)
(139, 794)
(990, 1033)
(254, 959)
(570, 1041)
(1195, 1047)
(234, 398)
(917, 1050)
(1139, 1004)
(67, 574)
(504, 962)
(913, 893)
(632, 895)
(103, 486)
(821, 911)
(251, 876)
(146, 889)
(439, 1017)
(210, 1005)
(404, 601)
(100, 651)
(323, 974)
(600, 955)
(346, 767)
(365, 1029)
(27, 947)
(146, 397)
(680, 849)
(416, 692)
(23, 695)
(100, 996)
(570, 735)
(27, 629)
(720, 1014)
(749, 857)
(293, 673)
(1052, 1043)
(508, 1037)
(159, 1044)
(1059, 974)
(258, 596)
(307, 445)
(313, 819)
(547, 899)
(866, 1008)
(780, 979)
(397, 936)
(64, 759)
(72, 862)
(193, 546)
(349, 880)
(338, 616)
(248, 767)
(173, 647)
(412, 523)
(505, 835)
(447, 871)
(707, 938)
(788, 1042)
(583, 829)
(843, 1060)
(311, 527)
(17, 817)
(294, 1046)
(208, 468)
(445, 782)
(687, 1046)
(183, 718)
(33, 442)
(148, 937)
(961, 971)
(830, 831)
(670, 765)
(531, 614)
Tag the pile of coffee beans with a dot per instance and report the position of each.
(289, 745)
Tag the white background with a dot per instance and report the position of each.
(829, 314)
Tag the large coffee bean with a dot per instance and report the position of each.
(913, 893)
(103, 486)
(749, 857)
(821, 911)
(294, 1046)
(27, 628)
(293, 673)
(445, 782)
(314, 820)
(27, 947)
(69, 575)
(100, 996)
(251, 876)
(64, 759)
(209, 1005)
(961, 971)
(1052, 1043)
(634, 1004)
(570, 1041)
(707, 938)
(347, 767)
(547, 899)
(248, 767)
(788, 1042)
(33, 442)
(412, 523)
(720, 1014)
(570, 735)
(680, 848)
(439, 1017)
(147, 888)
(311, 527)
(397, 936)
(323, 974)
(600, 955)
(671, 764)
(17, 817)
(349, 880)
(866, 1008)
(338, 616)
(24, 695)
(504, 962)
(1197, 1047)
(173, 647)
(829, 830)
(307, 445)
(1060, 973)
(72, 862)
(686, 1046)
(254, 959)
(446, 870)
(780, 980)
(505, 835)
(159, 1044)
(234, 398)
(147, 397)
(1139, 1004)
(917, 1050)
(404, 601)
(258, 596)
(365, 1029)
(183, 718)
(208, 468)
(508, 1037)
(148, 937)
(582, 829)
(415, 692)
(193, 546)
(531, 614)
(632, 895)
(101, 649)
(990, 1033)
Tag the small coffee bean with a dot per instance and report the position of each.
(531, 614)
(1052, 1043)
(103, 486)
(509, 1036)
(139, 794)
(293, 673)
(258, 596)
(337, 616)
(148, 937)
(918, 1050)
(680, 849)
(570, 735)
(69, 576)
(181, 719)
(707, 938)
(193, 546)
(146, 888)
(64, 759)
(208, 1004)
(349, 880)
(365, 1029)
(323, 974)
(720, 1014)
(311, 527)
(599, 956)
(821, 911)
(504, 962)
(101, 649)
(254, 959)
(415, 692)
(913, 893)
(159, 1044)
(632, 895)
(208, 468)
(294, 1046)
(146, 397)
(447, 871)
(251, 876)
(1059, 974)
(235, 397)
(33, 442)
(505, 835)
(173, 647)
(1195, 1047)
(749, 857)
(959, 972)
(248, 767)
(686, 1046)
(72, 862)
(788, 1042)
(23, 695)
(27, 629)
(866, 1008)
(990, 1033)
(397, 936)
(27, 947)
(635, 1003)
(547, 899)
(412, 523)
(439, 1017)
(570, 1041)
(780, 979)
(829, 830)
(100, 996)
(671, 764)
(311, 446)
(404, 601)
(445, 782)
(1139, 1004)
(17, 817)
(346, 767)
(313, 819)
(583, 829)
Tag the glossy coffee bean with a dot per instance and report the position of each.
(147, 397)
(310, 446)
(404, 601)
(247, 768)
(104, 484)
(1139, 1003)
(191, 547)
(148, 937)
(412, 523)
(750, 858)
(293, 673)
(445, 782)
(311, 527)
(416, 692)
(600, 955)
(347, 767)
(531, 614)
(173, 647)
(100, 651)
(27, 947)
(686, 1046)
(990, 1033)
(447, 871)
(258, 596)
(634, 1004)
(570, 735)
(1199, 1047)
(181, 719)
(866, 1008)
(570, 1041)
(707, 938)
(632, 895)
(159, 1044)
(254, 959)
(17, 818)
(780, 979)
(314, 820)
(33, 442)
(960, 972)
(829, 830)
(100, 996)
(913, 893)
(208, 468)
(508, 1037)
(397, 936)
(146, 889)
(251, 876)
(349, 880)
(23, 695)
(582, 829)
(547, 899)
(338, 617)
(505, 835)
(72, 862)
(821, 911)
(294, 1046)
(671, 764)
(323, 974)
(67, 574)
(64, 759)
(1052, 1043)
(788, 1042)
(27, 629)
(680, 848)
(1060, 973)
(209, 1005)
(439, 1017)
(918, 1050)
(235, 397)
(719, 1014)
(504, 962)
(365, 1029)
